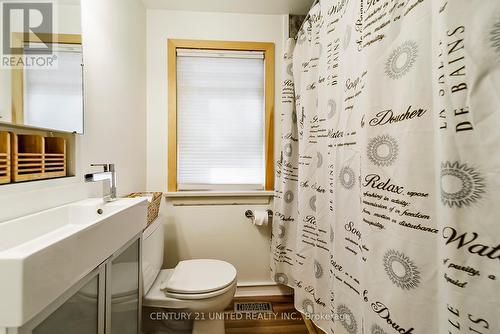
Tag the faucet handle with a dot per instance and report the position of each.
(107, 167)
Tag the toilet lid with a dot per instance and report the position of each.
(200, 276)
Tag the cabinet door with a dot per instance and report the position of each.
(79, 311)
(123, 291)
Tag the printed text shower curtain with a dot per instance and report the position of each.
(387, 204)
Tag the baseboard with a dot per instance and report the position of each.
(268, 289)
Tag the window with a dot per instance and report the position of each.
(221, 97)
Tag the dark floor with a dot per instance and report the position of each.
(284, 319)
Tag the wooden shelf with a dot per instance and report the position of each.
(35, 157)
(4, 157)
(27, 157)
(54, 162)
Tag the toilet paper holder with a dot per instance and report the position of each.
(250, 214)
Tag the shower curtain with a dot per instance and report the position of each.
(387, 210)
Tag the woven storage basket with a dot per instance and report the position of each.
(154, 199)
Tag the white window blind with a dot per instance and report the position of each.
(220, 120)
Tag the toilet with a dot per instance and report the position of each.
(192, 287)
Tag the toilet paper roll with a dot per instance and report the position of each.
(260, 218)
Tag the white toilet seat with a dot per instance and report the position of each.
(155, 297)
(191, 296)
(198, 279)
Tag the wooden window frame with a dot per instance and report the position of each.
(268, 50)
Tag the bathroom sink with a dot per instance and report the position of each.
(44, 254)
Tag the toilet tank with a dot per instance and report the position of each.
(152, 252)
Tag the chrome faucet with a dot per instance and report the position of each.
(109, 181)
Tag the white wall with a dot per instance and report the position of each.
(114, 54)
(220, 232)
(68, 18)
(115, 115)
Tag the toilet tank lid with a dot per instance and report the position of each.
(200, 276)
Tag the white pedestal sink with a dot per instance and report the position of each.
(44, 254)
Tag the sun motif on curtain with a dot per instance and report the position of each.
(401, 270)
(401, 60)
(281, 278)
(347, 319)
(377, 330)
(347, 178)
(461, 185)
(383, 150)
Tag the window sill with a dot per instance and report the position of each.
(217, 193)
(219, 197)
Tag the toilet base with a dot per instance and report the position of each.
(215, 326)
(152, 323)
(165, 314)
(159, 321)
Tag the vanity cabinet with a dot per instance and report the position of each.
(106, 301)
(79, 314)
(123, 295)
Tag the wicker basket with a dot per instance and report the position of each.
(154, 199)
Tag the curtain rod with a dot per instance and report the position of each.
(307, 16)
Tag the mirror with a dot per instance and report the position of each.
(41, 70)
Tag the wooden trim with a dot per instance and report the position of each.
(221, 45)
(269, 107)
(17, 85)
(48, 38)
(268, 49)
(17, 74)
(172, 115)
(17, 95)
